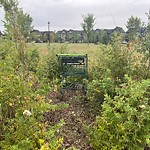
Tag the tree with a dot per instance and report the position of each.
(25, 20)
(146, 44)
(16, 18)
(148, 25)
(87, 25)
(132, 25)
(15, 25)
(45, 37)
(52, 37)
(106, 39)
(148, 40)
(103, 37)
(133, 22)
(56, 38)
(33, 36)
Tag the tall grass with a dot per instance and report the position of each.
(80, 48)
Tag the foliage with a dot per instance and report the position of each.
(21, 115)
(49, 67)
(56, 37)
(105, 39)
(25, 21)
(97, 88)
(5, 48)
(45, 38)
(16, 19)
(22, 102)
(148, 16)
(13, 29)
(145, 51)
(34, 37)
(133, 22)
(145, 44)
(26, 80)
(124, 121)
(101, 37)
(120, 59)
(114, 60)
(33, 59)
(109, 67)
(87, 25)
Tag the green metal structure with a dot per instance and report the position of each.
(74, 71)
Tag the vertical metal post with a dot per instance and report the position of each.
(49, 33)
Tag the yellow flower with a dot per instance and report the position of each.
(41, 141)
(45, 147)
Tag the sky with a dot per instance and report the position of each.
(68, 14)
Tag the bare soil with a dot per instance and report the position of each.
(76, 117)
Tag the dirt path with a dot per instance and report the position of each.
(76, 117)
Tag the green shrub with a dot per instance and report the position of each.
(112, 63)
(22, 123)
(145, 51)
(22, 108)
(116, 60)
(33, 59)
(124, 121)
(97, 67)
(6, 47)
(98, 88)
(49, 66)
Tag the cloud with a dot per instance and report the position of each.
(66, 14)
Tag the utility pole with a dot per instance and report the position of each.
(49, 32)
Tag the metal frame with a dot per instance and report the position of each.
(73, 67)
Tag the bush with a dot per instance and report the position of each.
(22, 123)
(6, 48)
(124, 121)
(22, 108)
(33, 59)
(107, 72)
(116, 60)
(49, 66)
(98, 88)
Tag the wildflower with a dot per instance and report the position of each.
(142, 106)
(45, 147)
(27, 113)
(41, 141)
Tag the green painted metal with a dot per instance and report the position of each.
(74, 69)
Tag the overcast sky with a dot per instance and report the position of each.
(67, 14)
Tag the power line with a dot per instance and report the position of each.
(112, 17)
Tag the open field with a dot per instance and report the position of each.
(80, 48)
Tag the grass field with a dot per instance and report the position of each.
(75, 48)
